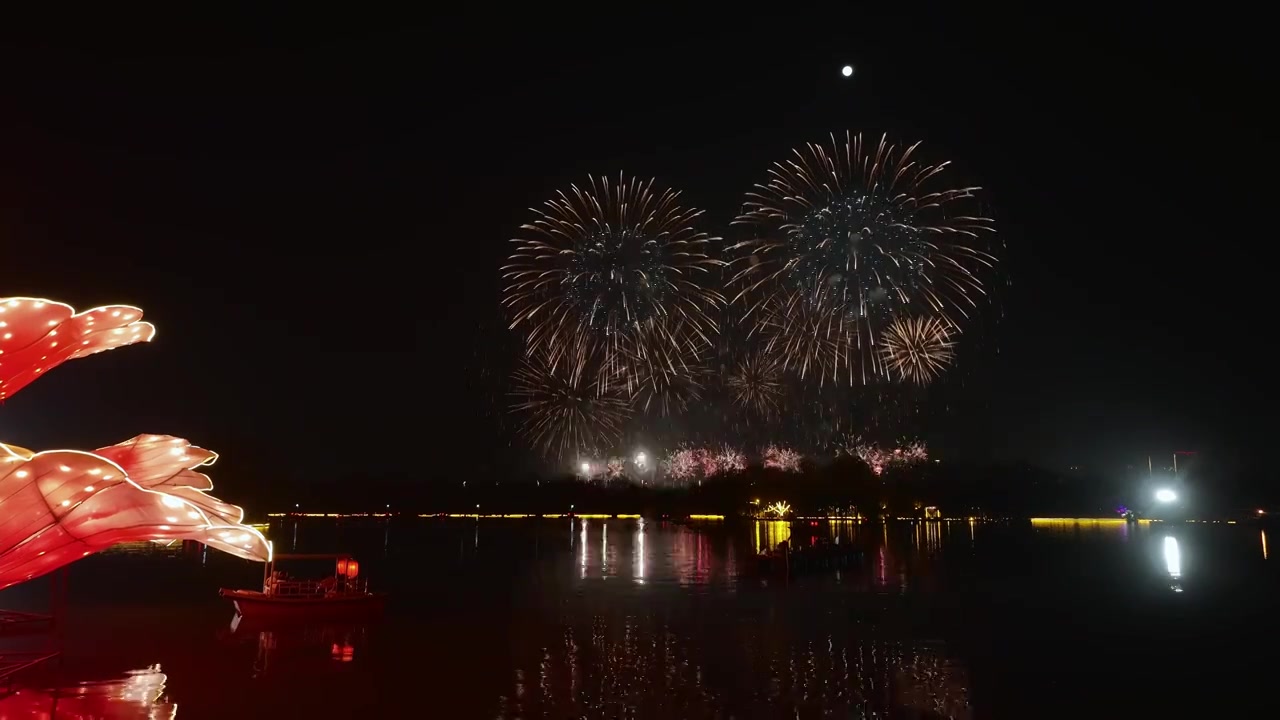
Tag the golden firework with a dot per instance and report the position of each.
(916, 349)
(563, 406)
(606, 265)
(861, 233)
(756, 384)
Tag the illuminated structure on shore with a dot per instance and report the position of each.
(61, 505)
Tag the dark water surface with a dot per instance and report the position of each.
(640, 619)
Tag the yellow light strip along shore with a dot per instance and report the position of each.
(510, 516)
(1042, 521)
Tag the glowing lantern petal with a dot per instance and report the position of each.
(161, 462)
(37, 335)
(167, 464)
(7, 451)
(64, 504)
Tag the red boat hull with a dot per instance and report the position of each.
(257, 606)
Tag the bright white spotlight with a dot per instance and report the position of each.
(586, 468)
(640, 458)
(1165, 495)
(847, 71)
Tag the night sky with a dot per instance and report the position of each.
(313, 213)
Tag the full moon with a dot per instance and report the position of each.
(847, 71)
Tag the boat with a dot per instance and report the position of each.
(794, 560)
(343, 595)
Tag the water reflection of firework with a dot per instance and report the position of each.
(701, 666)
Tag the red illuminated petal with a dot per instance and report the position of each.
(64, 504)
(37, 335)
(161, 461)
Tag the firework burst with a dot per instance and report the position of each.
(666, 390)
(665, 382)
(756, 384)
(782, 458)
(865, 231)
(615, 469)
(810, 336)
(879, 459)
(682, 465)
(729, 460)
(606, 263)
(687, 463)
(562, 406)
(916, 349)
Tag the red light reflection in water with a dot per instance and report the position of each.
(140, 694)
(314, 650)
(696, 639)
(692, 557)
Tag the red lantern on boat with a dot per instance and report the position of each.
(342, 566)
(353, 569)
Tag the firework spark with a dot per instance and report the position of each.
(604, 263)
(756, 384)
(880, 460)
(780, 509)
(811, 337)
(615, 469)
(916, 349)
(782, 458)
(860, 228)
(665, 383)
(682, 465)
(728, 460)
(688, 463)
(563, 407)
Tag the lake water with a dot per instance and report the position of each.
(640, 619)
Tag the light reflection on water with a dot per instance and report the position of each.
(640, 619)
(139, 695)
(640, 665)
(769, 533)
